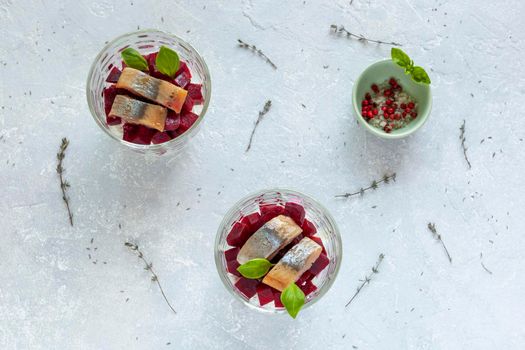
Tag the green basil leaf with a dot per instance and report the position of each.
(167, 61)
(401, 58)
(255, 268)
(293, 299)
(420, 76)
(132, 58)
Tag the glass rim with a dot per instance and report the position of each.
(159, 146)
(232, 211)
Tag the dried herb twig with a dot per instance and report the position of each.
(64, 185)
(463, 139)
(483, 265)
(432, 227)
(386, 179)
(265, 110)
(341, 30)
(149, 267)
(364, 282)
(257, 51)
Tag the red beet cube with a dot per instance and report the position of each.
(308, 228)
(188, 104)
(296, 240)
(113, 76)
(307, 287)
(269, 211)
(252, 221)
(182, 80)
(109, 96)
(160, 137)
(295, 211)
(231, 254)
(277, 298)
(318, 241)
(247, 287)
(113, 120)
(319, 265)
(172, 121)
(238, 235)
(130, 132)
(232, 266)
(307, 276)
(144, 135)
(186, 121)
(195, 92)
(265, 294)
(183, 68)
(151, 58)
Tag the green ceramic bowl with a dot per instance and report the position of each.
(378, 73)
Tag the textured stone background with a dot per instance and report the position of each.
(53, 297)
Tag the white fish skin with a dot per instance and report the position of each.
(269, 239)
(293, 264)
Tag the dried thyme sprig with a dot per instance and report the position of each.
(463, 139)
(149, 267)
(375, 269)
(64, 185)
(341, 30)
(482, 264)
(257, 51)
(386, 179)
(265, 110)
(432, 227)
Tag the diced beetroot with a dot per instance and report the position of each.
(307, 276)
(188, 104)
(307, 287)
(130, 132)
(195, 92)
(183, 68)
(231, 254)
(113, 75)
(265, 294)
(182, 80)
(232, 267)
(308, 228)
(319, 265)
(319, 241)
(269, 211)
(295, 211)
(296, 240)
(172, 121)
(186, 121)
(151, 58)
(238, 235)
(109, 96)
(160, 137)
(144, 135)
(247, 287)
(251, 221)
(277, 298)
(113, 120)
(123, 64)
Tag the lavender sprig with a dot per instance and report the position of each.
(364, 282)
(64, 184)
(259, 52)
(341, 30)
(265, 110)
(463, 139)
(386, 179)
(432, 227)
(149, 267)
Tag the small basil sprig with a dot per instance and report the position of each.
(167, 61)
(255, 268)
(293, 299)
(132, 58)
(417, 73)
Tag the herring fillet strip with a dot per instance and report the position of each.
(157, 90)
(293, 264)
(138, 112)
(269, 239)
